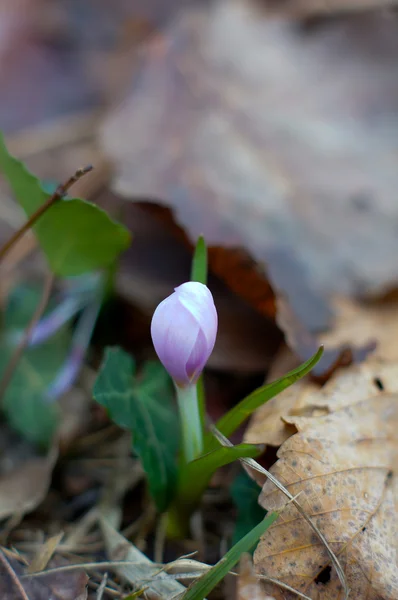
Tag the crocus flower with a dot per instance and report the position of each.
(184, 329)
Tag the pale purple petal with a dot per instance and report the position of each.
(198, 300)
(184, 329)
(174, 332)
(198, 357)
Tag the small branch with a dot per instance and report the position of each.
(15, 358)
(59, 193)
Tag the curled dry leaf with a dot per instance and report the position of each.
(354, 321)
(269, 136)
(341, 465)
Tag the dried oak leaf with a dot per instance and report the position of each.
(364, 321)
(248, 586)
(341, 466)
(354, 320)
(267, 136)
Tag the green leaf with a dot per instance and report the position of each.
(239, 413)
(199, 273)
(145, 407)
(199, 262)
(196, 475)
(245, 492)
(209, 463)
(205, 584)
(24, 401)
(75, 235)
(194, 478)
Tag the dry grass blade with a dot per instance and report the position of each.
(101, 589)
(284, 586)
(254, 465)
(144, 570)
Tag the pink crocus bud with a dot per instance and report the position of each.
(184, 329)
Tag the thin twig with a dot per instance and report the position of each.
(254, 465)
(57, 195)
(282, 585)
(13, 576)
(88, 567)
(101, 589)
(16, 356)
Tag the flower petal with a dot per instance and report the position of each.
(174, 332)
(198, 357)
(198, 299)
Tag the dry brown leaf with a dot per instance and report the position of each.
(23, 488)
(355, 321)
(341, 467)
(267, 422)
(248, 585)
(270, 136)
(361, 322)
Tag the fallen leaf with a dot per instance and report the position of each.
(25, 487)
(340, 464)
(267, 422)
(364, 321)
(248, 585)
(305, 344)
(15, 584)
(267, 136)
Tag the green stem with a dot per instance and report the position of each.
(191, 422)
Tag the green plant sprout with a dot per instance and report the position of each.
(184, 329)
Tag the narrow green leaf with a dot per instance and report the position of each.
(199, 273)
(195, 477)
(239, 413)
(199, 262)
(244, 493)
(197, 474)
(75, 235)
(205, 584)
(209, 463)
(145, 407)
